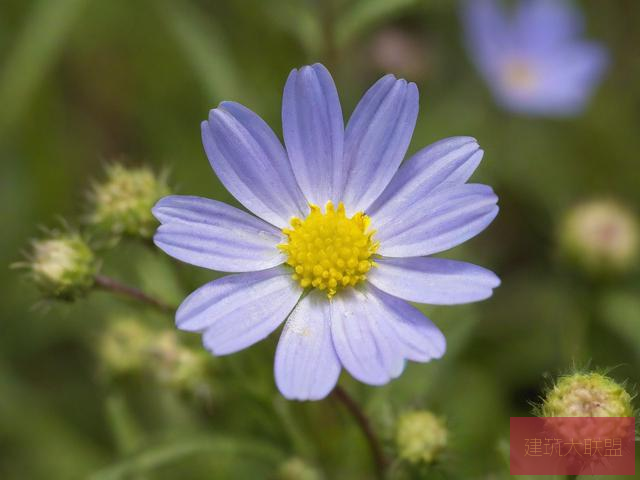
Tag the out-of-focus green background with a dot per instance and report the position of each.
(86, 81)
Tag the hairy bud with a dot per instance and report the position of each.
(62, 266)
(421, 437)
(587, 395)
(122, 202)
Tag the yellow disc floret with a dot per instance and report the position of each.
(329, 251)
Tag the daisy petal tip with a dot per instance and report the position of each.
(183, 316)
(158, 209)
(217, 115)
(302, 393)
(204, 127)
(439, 343)
(217, 350)
(320, 69)
(229, 105)
(156, 239)
(297, 397)
(495, 281)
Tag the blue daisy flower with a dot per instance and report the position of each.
(535, 61)
(339, 239)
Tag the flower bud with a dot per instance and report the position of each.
(421, 436)
(297, 469)
(62, 266)
(600, 236)
(122, 202)
(123, 347)
(587, 395)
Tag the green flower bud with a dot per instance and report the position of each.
(62, 266)
(600, 236)
(421, 436)
(587, 395)
(123, 347)
(297, 469)
(122, 202)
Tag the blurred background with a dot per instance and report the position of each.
(86, 82)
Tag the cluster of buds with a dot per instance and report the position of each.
(128, 347)
(600, 236)
(121, 204)
(421, 437)
(62, 265)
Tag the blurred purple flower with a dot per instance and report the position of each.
(342, 279)
(534, 61)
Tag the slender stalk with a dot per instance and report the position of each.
(111, 285)
(363, 422)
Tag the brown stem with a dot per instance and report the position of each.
(111, 285)
(363, 422)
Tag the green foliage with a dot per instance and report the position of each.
(83, 82)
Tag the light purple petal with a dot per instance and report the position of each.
(376, 139)
(239, 310)
(569, 79)
(313, 131)
(446, 163)
(437, 222)
(540, 25)
(433, 280)
(419, 339)
(488, 35)
(364, 339)
(306, 365)
(215, 235)
(252, 164)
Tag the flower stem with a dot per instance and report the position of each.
(363, 422)
(109, 284)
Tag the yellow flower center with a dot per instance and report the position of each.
(329, 251)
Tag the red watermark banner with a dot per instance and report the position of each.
(572, 446)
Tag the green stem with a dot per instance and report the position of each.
(379, 459)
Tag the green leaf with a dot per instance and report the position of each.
(205, 48)
(164, 454)
(621, 312)
(299, 20)
(126, 433)
(36, 49)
